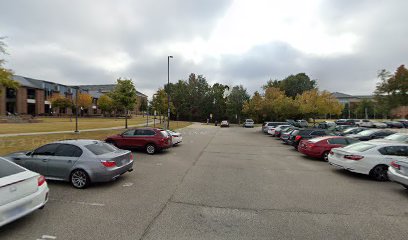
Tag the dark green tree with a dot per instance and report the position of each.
(235, 102)
(124, 96)
(293, 85)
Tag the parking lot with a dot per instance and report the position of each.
(223, 183)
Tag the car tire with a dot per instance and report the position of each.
(79, 179)
(151, 149)
(379, 173)
(326, 156)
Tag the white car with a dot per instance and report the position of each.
(398, 172)
(272, 130)
(21, 191)
(364, 123)
(249, 123)
(176, 137)
(370, 158)
(379, 125)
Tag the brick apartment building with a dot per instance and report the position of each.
(33, 96)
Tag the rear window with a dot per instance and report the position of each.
(360, 147)
(397, 137)
(100, 148)
(164, 133)
(8, 168)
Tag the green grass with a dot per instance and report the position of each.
(22, 143)
(67, 124)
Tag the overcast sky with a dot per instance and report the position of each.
(341, 43)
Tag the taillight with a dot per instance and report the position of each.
(41, 180)
(108, 164)
(395, 165)
(131, 156)
(354, 157)
(298, 137)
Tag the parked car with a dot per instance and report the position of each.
(176, 137)
(371, 134)
(248, 123)
(398, 172)
(326, 125)
(302, 123)
(341, 122)
(272, 130)
(320, 147)
(224, 123)
(350, 122)
(21, 191)
(404, 122)
(379, 125)
(352, 130)
(281, 128)
(79, 162)
(393, 124)
(285, 135)
(341, 128)
(364, 123)
(268, 125)
(397, 137)
(301, 134)
(151, 140)
(370, 158)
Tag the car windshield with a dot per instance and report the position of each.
(100, 148)
(366, 133)
(359, 147)
(397, 137)
(7, 168)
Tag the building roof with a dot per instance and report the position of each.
(104, 88)
(341, 95)
(27, 82)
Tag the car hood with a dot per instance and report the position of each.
(15, 154)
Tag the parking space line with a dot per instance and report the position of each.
(81, 203)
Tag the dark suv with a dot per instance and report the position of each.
(149, 139)
(297, 135)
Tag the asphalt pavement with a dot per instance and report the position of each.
(222, 183)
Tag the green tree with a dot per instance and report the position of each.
(124, 96)
(235, 102)
(179, 98)
(105, 103)
(143, 105)
(6, 75)
(363, 106)
(254, 107)
(293, 84)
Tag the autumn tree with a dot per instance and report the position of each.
(105, 103)
(84, 100)
(124, 97)
(6, 75)
(253, 108)
(293, 84)
(60, 102)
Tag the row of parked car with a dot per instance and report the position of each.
(23, 186)
(379, 153)
(403, 123)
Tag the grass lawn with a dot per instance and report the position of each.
(21, 143)
(67, 124)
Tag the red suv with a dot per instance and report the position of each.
(149, 139)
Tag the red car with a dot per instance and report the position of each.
(149, 139)
(320, 147)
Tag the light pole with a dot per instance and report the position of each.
(168, 91)
(76, 110)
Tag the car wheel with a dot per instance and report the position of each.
(79, 179)
(405, 186)
(150, 149)
(326, 156)
(379, 173)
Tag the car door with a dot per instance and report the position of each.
(126, 139)
(336, 142)
(392, 153)
(61, 163)
(38, 162)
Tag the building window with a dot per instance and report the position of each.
(11, 93)
(30, 93)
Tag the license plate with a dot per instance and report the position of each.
(16, 211)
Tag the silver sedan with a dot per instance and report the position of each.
(79, 162)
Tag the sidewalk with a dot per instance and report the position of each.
(71, 131)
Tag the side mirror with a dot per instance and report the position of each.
(29, 153)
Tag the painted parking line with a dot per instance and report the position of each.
(44, 237)
(80, 203)
(127, 184)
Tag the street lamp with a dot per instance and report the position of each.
(76, 110)
(168, 91)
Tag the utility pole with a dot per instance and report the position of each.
(168, 91)
(76, 110)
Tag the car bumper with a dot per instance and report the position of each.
(350, 165)
(111, 174)
(24, 206)
(394, 176)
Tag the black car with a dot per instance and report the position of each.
(404, 122)
(297, 135)
(352, 130)
(392, 124)
(371, 134)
